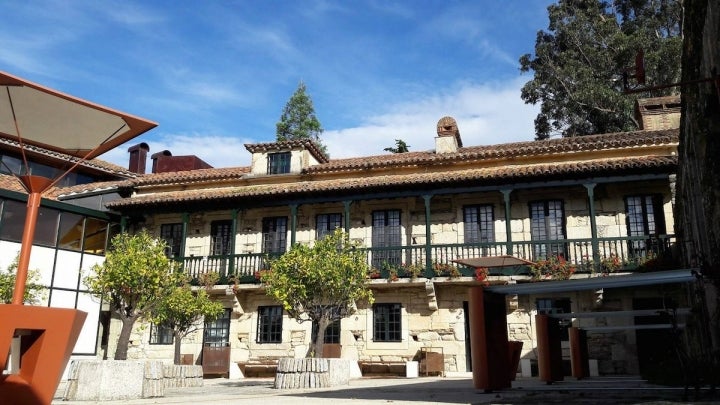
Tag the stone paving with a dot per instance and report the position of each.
(456, 389)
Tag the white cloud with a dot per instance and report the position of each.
(486, 115)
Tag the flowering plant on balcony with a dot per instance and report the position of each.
(610, 264)
(412, 270)
(481, 275)
(374, 273)
(445, 269)
(554, 268)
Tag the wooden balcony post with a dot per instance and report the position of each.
(346, 206)
(508, 227)
(428, 237)
(185, 226)
(593, 226)
(233, 232)
(293, 223)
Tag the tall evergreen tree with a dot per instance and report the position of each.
(298, 120)
(579, 61)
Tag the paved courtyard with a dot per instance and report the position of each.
(417, 391)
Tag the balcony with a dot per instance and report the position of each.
(618, 254)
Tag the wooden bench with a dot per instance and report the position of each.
(258, 368)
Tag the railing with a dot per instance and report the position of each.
(625, 253)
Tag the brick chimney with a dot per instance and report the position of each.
(138, 157)
(156, 156)
(448, 139)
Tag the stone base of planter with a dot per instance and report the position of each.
(313, 373)
(105, 380)
(183, 376)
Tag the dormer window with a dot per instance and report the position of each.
(278, 163)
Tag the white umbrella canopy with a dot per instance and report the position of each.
(62, 123)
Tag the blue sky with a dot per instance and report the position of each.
(216, 75)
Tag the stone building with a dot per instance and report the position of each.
(593, 207)
(602, 204)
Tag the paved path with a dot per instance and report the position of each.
(417, 391)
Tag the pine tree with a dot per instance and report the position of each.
(400, 147)
(298, 120)
(579, 61)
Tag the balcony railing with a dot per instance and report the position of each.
(626, 253)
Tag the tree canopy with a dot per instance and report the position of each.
(134, 279)
(579, 62)
(321, 283)
(298, 120)
(183, 310)
(33, 289)
(400, 147)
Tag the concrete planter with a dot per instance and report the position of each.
(183, 376)
(314, 373)
(105, 380)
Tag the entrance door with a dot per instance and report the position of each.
(216, 345)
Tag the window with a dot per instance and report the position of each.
(217, 332)
(386, 233)
(326, 224)
(278, 163)
(274, 234)
(479, 225)
(644, 218)
(386, 323)
(160, 335)
(220, 237)
(332, 332)
(95, 236)
(46, 227)
(71, 226)
(556, 306)
(269, 325)
(12, 223)
(172, 234)
(547, 224)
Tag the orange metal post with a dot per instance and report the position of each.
(488, 340)
(549, 349)
(579, 353)
(33, 206)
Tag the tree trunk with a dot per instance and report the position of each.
(316, 348)
(124, 338)
(178, 343)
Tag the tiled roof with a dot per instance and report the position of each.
(8, 182)
(287, 145)
(358, 184)
(504, 151)
(190, 176)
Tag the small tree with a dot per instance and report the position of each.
(298, 120)
(135, 277)
(33, 289)
(321, 283)
(182, 312)
(400, 147)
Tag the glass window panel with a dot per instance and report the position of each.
(46, 227)
(269, 326)
(217, 332)
(70, 232)
(220, 238)
(278, 163)
(95, 236)
(387, 322)
(326, 224)
(274, 234)
(172, 234)
(12, 222)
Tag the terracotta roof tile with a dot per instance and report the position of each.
(485, 175)
(190, 176)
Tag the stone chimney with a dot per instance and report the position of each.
(448, 139)
(138, 157)
(658, 112)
